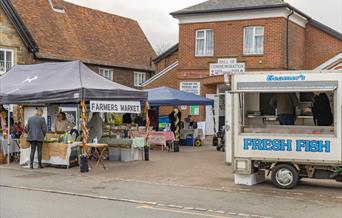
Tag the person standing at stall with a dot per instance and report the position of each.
(61, 123)
(95, 127)
(36, 128)
(321, 110)
(286, 104)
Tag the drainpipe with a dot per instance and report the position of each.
(287, 39)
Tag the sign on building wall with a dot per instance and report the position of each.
(191, 87)
(226, 66)
(133, 107)
(194, 88)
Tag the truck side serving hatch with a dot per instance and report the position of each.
(287, 86)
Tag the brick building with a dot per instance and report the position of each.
(266, 35)
(34, 31)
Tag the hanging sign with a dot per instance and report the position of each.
(226, 66)
(133, 107)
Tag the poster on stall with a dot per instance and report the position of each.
(71, 115)
(132, 107)
(194, 110)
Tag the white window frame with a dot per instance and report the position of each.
(205, 51)
(107, 73)
(254, 41)
(139, 78)
(5, 50)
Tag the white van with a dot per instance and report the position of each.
(257, 144)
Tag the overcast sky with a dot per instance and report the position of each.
(162, 29)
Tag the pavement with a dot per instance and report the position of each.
(192, 183)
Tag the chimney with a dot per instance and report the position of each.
(57, 5)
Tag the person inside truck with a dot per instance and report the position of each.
(321, 110)
(286, 104)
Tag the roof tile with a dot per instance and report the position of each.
(92, 36)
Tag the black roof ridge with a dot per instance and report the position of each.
(19, 25)
(166, 53)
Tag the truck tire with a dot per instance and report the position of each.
(284, 176)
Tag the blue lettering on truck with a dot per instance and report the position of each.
(286, 145)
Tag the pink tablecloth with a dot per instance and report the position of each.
(157, 138)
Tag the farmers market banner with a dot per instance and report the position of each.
(133, 107)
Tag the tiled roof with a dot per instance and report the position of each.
(223, 5)
(85, 34)
(166, 53)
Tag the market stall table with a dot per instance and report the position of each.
(124, 149)
(13, 148)
(194, 133)
(97, 150)
(53, 153)
(157, 137)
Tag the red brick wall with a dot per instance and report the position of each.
(122, 76)
(172, 79)
(167, 61)
(228, 42)
(320, 47)
(296, 47)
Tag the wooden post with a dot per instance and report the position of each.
(84, 127)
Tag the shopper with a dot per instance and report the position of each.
(36, 128)
(286, 104)
(321, 110)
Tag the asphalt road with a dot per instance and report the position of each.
(34, 204)
(41, 193)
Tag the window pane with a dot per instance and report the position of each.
(259, 44)
(9, 56)
(248, 40)
(2, 55)
(210, 42)
(200, 47)
(259, 30)
(200, 34)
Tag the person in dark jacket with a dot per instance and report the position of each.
(36, 128)
(286, 104)
(321, 110)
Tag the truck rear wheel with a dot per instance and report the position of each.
(284, 176)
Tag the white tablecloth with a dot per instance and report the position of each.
(25, 157)
(13, 146)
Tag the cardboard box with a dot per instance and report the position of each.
(251, 179)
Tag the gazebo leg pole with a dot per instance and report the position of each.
(8, 134)
(148, 122)
(84, 161)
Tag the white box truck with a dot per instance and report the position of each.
(257, 143)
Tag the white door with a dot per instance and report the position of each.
(209, 118)
(229, 127)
